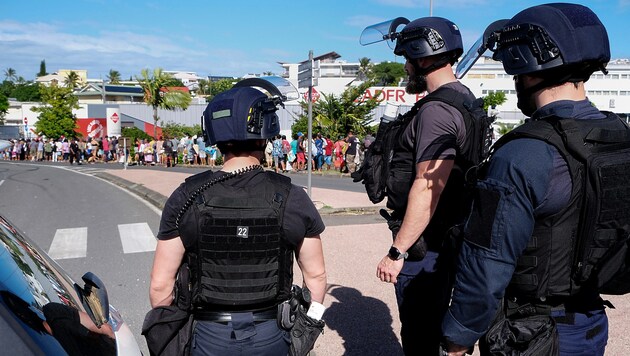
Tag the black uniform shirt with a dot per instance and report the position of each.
(301, 218)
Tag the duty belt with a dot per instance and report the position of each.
(226, 317)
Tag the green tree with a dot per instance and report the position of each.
(72, 79)
(388, 73)
(336, 115)
(493, 99)
(153, 84)
(204, 87)
(113, 77)
(365, 68)
(4, 107)
(6, 88)
(220, 86)
(55, 116)
(42, 69)
(10, 75)
(134, 133)
(171, 129)
(26, 92)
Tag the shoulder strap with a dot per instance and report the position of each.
(460, 101)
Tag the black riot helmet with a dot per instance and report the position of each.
(245, 112)
(565, 41)
(429, 36)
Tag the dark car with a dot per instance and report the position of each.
(44, 312)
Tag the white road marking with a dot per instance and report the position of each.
(69, 243)
(137, 238)
(1, 181)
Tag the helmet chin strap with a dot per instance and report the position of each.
(431, 68)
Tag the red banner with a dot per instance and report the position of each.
(92, 127)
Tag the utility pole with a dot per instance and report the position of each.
(430, 7)
(308, 72)
(103, 90)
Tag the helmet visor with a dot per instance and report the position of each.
(288, 90)
(487, 41)
(385, 31)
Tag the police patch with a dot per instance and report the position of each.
(242, 232)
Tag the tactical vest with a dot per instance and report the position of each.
(568, 252)
(456, 198)
(241, 260)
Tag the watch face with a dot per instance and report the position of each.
(394, 253)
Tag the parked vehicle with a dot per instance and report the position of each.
(44, 312)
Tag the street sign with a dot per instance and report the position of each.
(314, 95)
(308, 72)
(306, 66)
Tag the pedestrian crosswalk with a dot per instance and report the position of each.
(73, 242)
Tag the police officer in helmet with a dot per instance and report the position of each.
(425, 182)
(516, 262)
(239, 229)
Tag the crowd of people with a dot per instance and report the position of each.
(344, 155)
(62, 149)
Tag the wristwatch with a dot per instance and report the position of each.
(395, 254)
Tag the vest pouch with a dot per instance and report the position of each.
(398, 187)
(531, 335)
(617, 266)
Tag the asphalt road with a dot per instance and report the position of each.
(44, 200)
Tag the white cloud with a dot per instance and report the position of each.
(24, 45)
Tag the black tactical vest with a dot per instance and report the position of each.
(456, 198)
(241, 261)
(559, 249)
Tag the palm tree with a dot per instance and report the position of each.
(365, 68)
(10, 74)
(155, 95)
(113, 77)
(72, 79)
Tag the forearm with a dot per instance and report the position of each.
(317, 285)
(161, 293)
(310, 258)
(168, 258)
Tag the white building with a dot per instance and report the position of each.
(189, 79)
(608, 92)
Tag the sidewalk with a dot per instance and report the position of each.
(156, 187)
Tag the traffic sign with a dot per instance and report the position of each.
(314, 95)
(308, 72)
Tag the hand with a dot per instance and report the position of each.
(456, 350)
(388, 269)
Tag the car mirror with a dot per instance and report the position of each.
(94, 298)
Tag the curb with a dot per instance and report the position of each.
(158, 200)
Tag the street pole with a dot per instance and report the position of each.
(430, 7)
(310, 130)
(103, 90)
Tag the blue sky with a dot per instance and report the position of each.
(231, 37)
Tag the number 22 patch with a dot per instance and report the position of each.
(242, 232)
